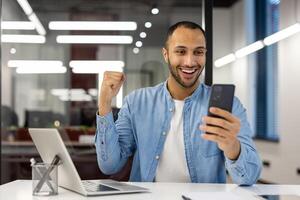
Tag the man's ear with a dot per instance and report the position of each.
(165, 54)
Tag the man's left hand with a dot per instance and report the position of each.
(223, 131)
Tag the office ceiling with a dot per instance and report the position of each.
(105, 5)
(132, 10)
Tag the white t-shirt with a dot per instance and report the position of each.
(172, 166)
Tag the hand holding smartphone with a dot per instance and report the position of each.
(221, 97)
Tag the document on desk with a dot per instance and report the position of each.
(215, 196)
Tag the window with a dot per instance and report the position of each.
(267, 20)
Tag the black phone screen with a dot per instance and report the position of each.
(221, 97)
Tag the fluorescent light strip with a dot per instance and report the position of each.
(39, 27)
(96, 63)
(59, 92)
(280, 35)
(225, 60)
(94, 70)
(30, 63)
(41, 70)
(249, 49)
(32, 17)
(17, 25)
(25, 6)
(84, 97)
(96, 25)
(71, 94)
(65, 92)
(94, 39)
(14, 38)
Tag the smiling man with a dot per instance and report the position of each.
(163, 127)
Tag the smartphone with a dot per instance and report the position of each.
(221, 97)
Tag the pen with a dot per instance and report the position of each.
(185, 198)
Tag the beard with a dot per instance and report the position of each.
(175, 74)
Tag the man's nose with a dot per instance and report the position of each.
(190, 60)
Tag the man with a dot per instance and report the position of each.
(164, 127)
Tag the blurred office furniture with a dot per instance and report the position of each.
(9, 117)
(79, 139)
(75, 116)
(16, 155)
(38, 119)
(88, 116)
(43, 119)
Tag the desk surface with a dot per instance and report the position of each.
(21, 190)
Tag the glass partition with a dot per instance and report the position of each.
(54, 54)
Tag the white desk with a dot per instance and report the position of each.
(21, 190)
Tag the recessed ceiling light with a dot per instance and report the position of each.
(154, 11)
(13, 51)
(148, 24)
(139, 44)
(136, 50)
(143, 35)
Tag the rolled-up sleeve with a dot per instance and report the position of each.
(114, 141)
(247, 168)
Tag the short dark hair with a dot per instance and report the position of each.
(185, 24)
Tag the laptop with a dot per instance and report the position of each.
(49, 143)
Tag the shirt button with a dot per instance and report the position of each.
(164, 133)
(156, 157)
(171, 109)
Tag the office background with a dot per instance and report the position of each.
(266, 80)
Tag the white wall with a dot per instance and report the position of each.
(229, 34)
(284, 156)
(232, 30)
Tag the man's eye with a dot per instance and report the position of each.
(180, 51)
(199, 52)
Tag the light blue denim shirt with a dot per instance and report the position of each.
(141, 130)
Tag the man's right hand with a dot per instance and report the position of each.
(111, 84)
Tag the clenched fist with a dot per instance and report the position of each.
(111, 84)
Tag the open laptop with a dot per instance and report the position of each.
(49, 143)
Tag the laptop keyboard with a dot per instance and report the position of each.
(96, 187)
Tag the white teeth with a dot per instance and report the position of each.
(188, 71)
